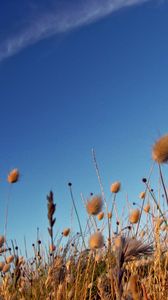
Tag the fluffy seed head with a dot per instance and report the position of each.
(6, 268)
(94, 206)
(52, 248)
(109, 215)
(118, 242)
(142, 195)
(66, 232)
(134, 216)
(1, 265)
(9, 259)
(115, 187)
(13, 176)
(160, 150)
(2, 240)
(100, 216)
(147, 208)
(96, 240)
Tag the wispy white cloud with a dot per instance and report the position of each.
(60, 20)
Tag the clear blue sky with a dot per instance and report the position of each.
(73, 76)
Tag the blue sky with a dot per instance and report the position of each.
(74, 76)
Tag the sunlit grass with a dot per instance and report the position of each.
(111, 257)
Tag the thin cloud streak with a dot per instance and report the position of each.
(55, 22)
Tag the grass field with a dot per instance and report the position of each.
(108, 258)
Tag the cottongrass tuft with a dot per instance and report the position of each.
(2, 240)
(13, 176)
(1, 265)
(6, 268)
(109, 215)
(52, 248)
(100, 216)
(96, 241)
(118, 241)
(115, 187)
(142, 195)
(66, 232)
(160, 150)
(9, 259)
(147, 208)
(94, 206)
(134, 216)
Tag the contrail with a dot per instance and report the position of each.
(61, 20)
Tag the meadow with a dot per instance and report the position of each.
(110, 257)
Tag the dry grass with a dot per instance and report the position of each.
(126, 258)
